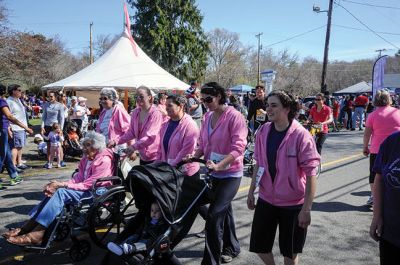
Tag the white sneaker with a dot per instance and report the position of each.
(370, 201)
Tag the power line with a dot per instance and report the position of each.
(365, 25)
(295, 36)
(366, 4)
(380, 32)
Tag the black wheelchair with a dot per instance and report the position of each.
(102, 216)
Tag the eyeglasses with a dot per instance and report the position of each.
(103, 98)
(139, 97)
(208, 99)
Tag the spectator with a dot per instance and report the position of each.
(360, 105)
(335, 112)
(286, 160)
(55, 138)
(194, 105)
(5, 154)
(257, 108)
(82, 112)
(349, 111)
(162, 101)
(53, 112)
(18, 139)
(385, 225)
(381, 123)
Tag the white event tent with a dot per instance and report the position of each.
(125, 67)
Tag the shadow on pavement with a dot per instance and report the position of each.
(338, 207)
(361, 193)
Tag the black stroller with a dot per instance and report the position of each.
(179, 198)
(70, 148)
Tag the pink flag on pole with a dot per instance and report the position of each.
(128, 29)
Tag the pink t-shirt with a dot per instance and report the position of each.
(383, 121)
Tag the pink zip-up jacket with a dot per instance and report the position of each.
(119, 122)
(297, 158)
(183, 141)
(102, 166)
(227, 137)
(147, 138)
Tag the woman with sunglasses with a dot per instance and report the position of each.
(222, 142)
(114, 120)
(322, 115)
(144, 130)
(286, 160)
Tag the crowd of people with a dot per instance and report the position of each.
(210, 122)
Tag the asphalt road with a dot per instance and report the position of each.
(338, 233)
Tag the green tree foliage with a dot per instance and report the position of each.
(170, 32)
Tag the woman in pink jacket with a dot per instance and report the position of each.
(222, 142)
(144, 130)
(96, 163)
(114, 120)
(286, 161)
(178, 136)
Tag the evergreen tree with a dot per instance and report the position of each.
(170, 32)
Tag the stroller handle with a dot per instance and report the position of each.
(191, 160)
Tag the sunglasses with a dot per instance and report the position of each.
(207, 99)
(318, 99)
(140, 97)
(103, 98)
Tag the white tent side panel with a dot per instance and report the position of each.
(121, 68)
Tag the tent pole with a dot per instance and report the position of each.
(126, 99)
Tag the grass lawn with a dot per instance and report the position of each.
(35, 122)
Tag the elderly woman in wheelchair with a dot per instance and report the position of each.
(96, 163)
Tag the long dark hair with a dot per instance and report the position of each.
(214, 89)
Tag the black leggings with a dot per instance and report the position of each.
(372, 158)
(319, 141)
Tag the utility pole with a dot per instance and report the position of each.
(380, 52)
(258, 57)
(326, 50)
(91, 44)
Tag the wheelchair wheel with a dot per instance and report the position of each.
(62, 232)
(80, 250)
(107, 217)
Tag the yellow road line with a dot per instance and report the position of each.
(245, 188)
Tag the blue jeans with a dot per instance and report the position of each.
(50, 207)
(358, 112)
(5, 155)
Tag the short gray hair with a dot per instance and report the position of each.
(98, 140)
(110, 93)
(382, 98)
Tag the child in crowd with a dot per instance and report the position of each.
(140, 242)
(74, 137)
(41, 145)
(55, 138)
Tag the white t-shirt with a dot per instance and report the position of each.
(18, 111)
(105, 123)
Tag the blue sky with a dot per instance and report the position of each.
(278, 20)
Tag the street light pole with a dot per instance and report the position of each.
(258, 57)
(326, 50)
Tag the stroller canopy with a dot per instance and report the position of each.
(174, 191)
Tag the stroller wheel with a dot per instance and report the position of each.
(62, 232)
(250, 170)
(107, 217)
(80, 250)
